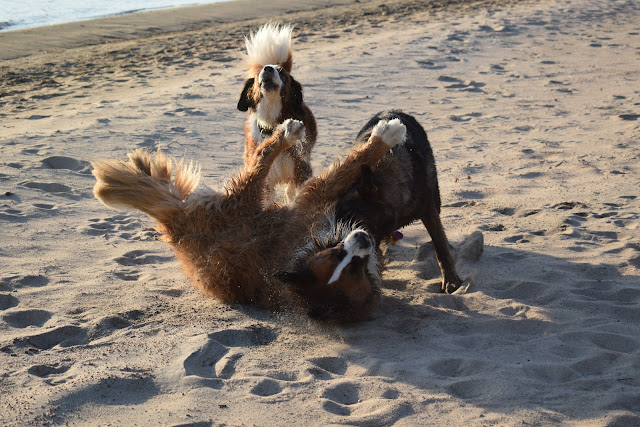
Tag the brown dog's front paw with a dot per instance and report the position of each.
(292, 131)
(391, 132)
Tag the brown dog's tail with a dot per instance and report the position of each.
(146, 182)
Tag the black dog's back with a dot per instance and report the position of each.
(400, 188)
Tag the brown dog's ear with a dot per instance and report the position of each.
(245, 102)
(296, 93)
(367, 184)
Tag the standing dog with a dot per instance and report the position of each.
(271, 96)
(402, 188)
(236, 249)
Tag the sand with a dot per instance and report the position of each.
(533, 112)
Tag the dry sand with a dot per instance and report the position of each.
(533, 112)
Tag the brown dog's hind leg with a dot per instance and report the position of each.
(450, 279)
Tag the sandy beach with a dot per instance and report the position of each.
(533, 113)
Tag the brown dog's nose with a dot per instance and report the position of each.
(268, 69)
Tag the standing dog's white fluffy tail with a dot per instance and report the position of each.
(270, 45)
(146, 182)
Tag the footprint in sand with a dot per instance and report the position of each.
(352, 391)
(343, 394)
(471, 389)
(266, 388)
(608, 291)
(214, 356)
(551, 373)
(470, 194)
(462, 85)
(181, 112)
(44, 371)
(629, 117)
(12, 215)
(25, 318)
(602, 340)
(430, 65)
(37, 117)
(457, 367)
(524, 291)
(123, 226)
(128, 276)
(465, 117)
(109, 324)
(118, 389)
(202, 361)
(595, 365)
(173, 293)
(64, 336)
(324, 367)
(68, 163)
(141, 257)
(274, 384)
(8, 301)
(28, 281)
(369, 402)
(48, 187)
(45, 206)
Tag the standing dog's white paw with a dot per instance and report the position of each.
(392, 132)
(292, 129)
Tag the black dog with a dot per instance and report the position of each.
(399, 190)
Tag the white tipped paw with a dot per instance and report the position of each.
(392, 132)
(292, 130)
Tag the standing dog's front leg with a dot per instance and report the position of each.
(320, 193)
(250, 184)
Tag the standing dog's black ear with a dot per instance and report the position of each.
(296, 93)
(244, 102)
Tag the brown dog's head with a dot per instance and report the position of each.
(274, 83)
(338, 281)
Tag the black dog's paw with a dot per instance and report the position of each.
(457, 287)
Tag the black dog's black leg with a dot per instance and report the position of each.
(450, 279)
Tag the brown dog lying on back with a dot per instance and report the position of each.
(236, 249)
(271, 96)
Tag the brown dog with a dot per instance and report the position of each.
(235, 248)
(401, 189)
(271, 96)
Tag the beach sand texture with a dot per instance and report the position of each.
(533, 112)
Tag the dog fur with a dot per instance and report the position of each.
(236, 249)
(270, 96)
(399, 190)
